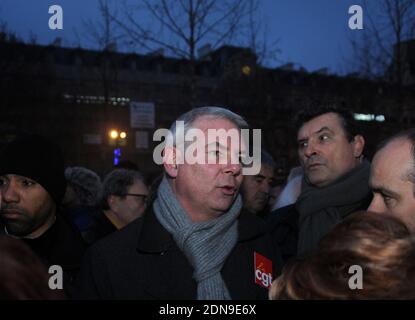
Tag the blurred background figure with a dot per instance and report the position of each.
(256, 189)
(82, 195)
(123, 199)
(381, 245)
(292, 189)
(275, 191)
(22, 274)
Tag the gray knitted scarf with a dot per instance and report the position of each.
(205, 244)
(321, 209)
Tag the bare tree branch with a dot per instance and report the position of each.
(390, 24)
(180, 26)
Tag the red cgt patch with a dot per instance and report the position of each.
(263, 270)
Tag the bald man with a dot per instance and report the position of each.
(392, 178)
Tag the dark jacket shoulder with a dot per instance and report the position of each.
(283, 227)
(142, 261)
(61, 244)
(99, 227)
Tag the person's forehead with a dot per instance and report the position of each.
(138, 185)
(11, 176)
(329, 120)
(204, 123)
(395, 154)
(38, 187)
(394, 160)
(209, 122)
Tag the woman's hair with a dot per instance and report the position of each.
(380, 245)
(22, 274)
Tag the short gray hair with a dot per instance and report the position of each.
(117, 182)
(209, 111)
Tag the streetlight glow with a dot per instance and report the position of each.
(114, 134)
(123, 135)
(246, 70)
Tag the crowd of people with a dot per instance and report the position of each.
(207, 231)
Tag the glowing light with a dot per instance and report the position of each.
(380, 118)
(369, 117)
(246, 70)
(114, 134)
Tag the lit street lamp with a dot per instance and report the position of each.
(118, 141)
(114, 134)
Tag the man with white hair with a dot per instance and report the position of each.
(194, 242)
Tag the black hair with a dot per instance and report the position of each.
(315, 109)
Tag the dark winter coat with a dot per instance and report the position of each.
(142, 261)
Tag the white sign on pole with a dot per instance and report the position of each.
(142, 114)
(141, 139)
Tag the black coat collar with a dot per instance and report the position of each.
(153, 238)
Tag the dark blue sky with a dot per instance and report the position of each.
(312, 33)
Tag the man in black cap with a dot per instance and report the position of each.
(32, 185)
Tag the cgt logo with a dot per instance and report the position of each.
(263, 271)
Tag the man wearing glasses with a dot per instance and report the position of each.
(123, 199)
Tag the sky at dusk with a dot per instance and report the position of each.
(311, 33)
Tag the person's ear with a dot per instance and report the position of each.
(171, 156)
(358, 145)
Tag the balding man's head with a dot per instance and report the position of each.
(392, 178)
